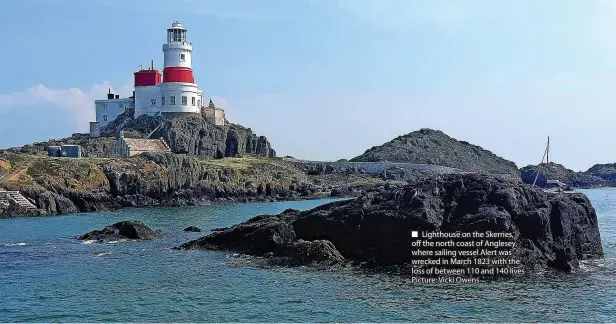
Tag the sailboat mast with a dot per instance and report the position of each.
(547, 156)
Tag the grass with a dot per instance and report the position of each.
(35, 171)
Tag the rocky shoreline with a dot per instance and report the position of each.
(232, 164)
(63, 186)
(549, 231)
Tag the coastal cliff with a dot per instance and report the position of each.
(191, 134)
(550, 231)
(64, 185)
(185, 134)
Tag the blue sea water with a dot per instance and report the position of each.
(47, 276)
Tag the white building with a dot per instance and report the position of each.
(175, 91)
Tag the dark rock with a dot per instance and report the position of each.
(192, 229)
(550, 230)
(336, 193)
(191, 134)
(316, 253)
(428, 146)
(552, 172)
(606, 172)
(126, 230)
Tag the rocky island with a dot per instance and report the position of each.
(209, 163)
(424, 181)
(550, 231)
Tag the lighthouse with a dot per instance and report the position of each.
(178, 81)
(172, 91)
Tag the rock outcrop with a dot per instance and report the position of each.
(404, 172)
(550, 230)
(192, 229)
(59, 186)
(191, 134)
(184, 133)
(605, 172)
(557, 172)
(126, 230)
(428, 146)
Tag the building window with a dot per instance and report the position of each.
(172, 100)
(184, 101)
(199, 103)
(182, 57)
(193, 101)
(162, 101)
(104, 117)
(153, 102)
(104, 106)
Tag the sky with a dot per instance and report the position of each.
(328, 79)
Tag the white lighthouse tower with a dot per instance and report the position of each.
(173, 91)
(179, 90)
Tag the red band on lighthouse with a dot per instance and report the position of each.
(178, 74)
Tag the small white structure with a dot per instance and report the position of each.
(173, 91)
(214, 114)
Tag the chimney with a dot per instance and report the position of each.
(152, 64)
(117, 96)
(109, 95)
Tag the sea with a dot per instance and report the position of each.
(48, 276)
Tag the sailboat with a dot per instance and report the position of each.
(553, 186)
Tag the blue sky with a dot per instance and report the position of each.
(328, 79)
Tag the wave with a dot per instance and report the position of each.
(88, 241)
(14, 244)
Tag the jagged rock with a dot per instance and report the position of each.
(557, 172)
(12, 209)
(428, 146)
(606, 172)
(550, 230)
(316, 253)
(126, 230)
(192, 229)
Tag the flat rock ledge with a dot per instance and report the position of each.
(122, 231)
(550, 231)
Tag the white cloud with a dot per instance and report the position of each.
(76, 104)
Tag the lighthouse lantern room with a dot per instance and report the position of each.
(173, 91)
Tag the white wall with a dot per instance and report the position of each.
(111, 108)
(143, 100)
(172, 53)
(177, 89)
(144, 96)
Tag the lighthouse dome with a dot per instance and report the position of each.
(176, 25)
